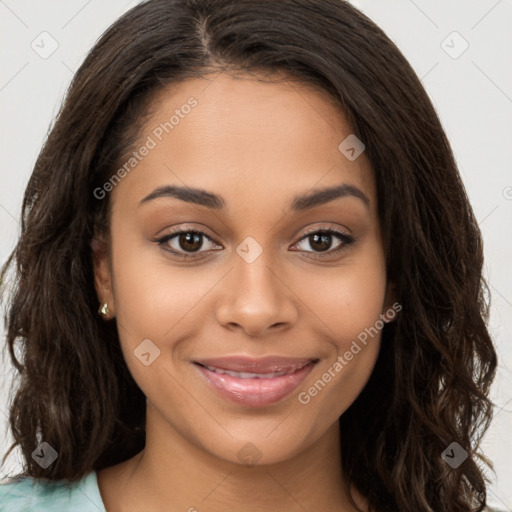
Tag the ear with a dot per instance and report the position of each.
(391, 305)
(102, 273)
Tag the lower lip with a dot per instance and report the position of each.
(255, 392)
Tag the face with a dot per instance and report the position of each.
(241, 302)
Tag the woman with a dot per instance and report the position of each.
(249, 276)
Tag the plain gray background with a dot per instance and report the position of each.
(462, 51)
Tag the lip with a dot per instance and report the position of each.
(261, 382)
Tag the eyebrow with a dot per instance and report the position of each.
(299, 203)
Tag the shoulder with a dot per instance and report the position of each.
(26, 494)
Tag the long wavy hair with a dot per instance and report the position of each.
(430, 385)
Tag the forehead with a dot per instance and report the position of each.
(247, 134)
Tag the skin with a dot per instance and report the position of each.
(257, 144)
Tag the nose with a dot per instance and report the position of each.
(258, 300)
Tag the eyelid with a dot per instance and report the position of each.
(329, 227)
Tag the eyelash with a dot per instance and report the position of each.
(346, 239)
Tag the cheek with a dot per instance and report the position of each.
(151, 293)
(354, 336)
(349, 307)
(348, 298)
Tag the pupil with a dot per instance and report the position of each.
(324, 241)
(190, 238)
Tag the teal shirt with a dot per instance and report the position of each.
(29, 495)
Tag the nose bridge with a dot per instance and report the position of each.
(254, 279)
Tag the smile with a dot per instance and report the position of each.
(246, 375)
(253, 382)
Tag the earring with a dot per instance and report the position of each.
(103, 310)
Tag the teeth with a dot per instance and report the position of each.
(247, 375)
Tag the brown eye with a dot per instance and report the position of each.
(190, 241)
(321, 241)
(185, 243)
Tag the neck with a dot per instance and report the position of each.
(171, 472)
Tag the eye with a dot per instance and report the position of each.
(321, 240)
(183, 239)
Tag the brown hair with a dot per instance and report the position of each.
(431, 382)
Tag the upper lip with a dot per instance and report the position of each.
(264, 365)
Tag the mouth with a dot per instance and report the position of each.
(254, 382)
